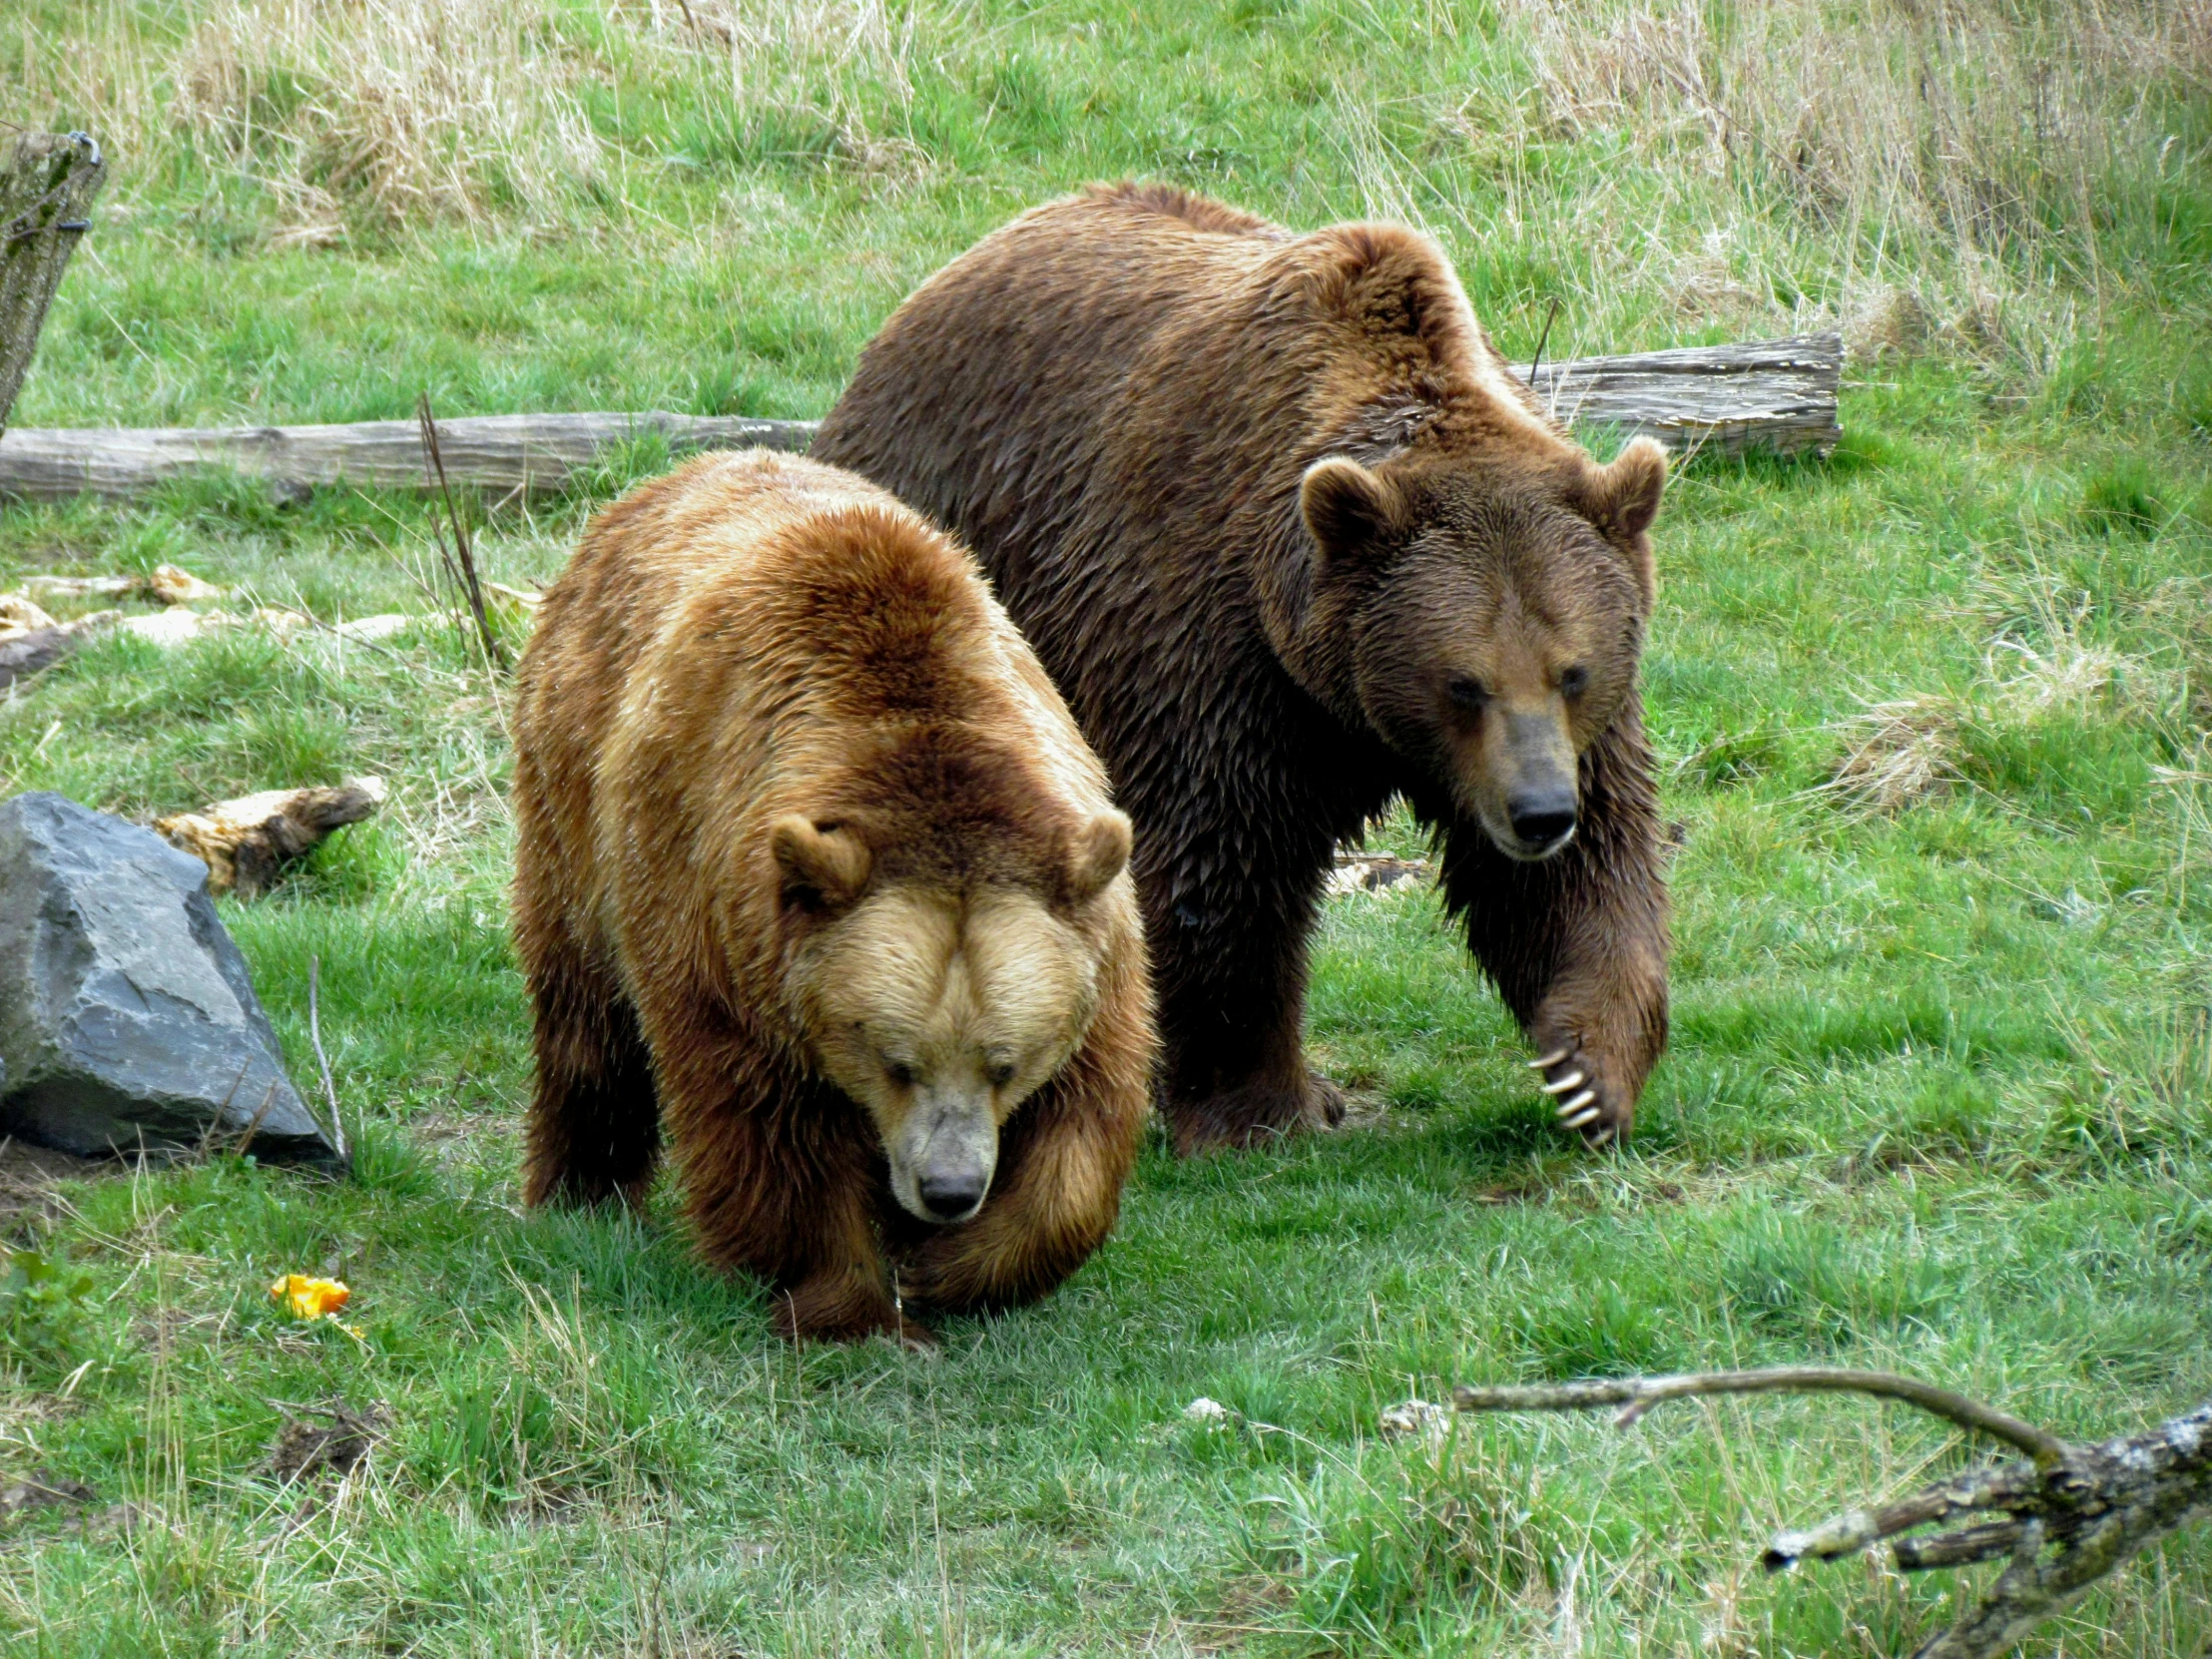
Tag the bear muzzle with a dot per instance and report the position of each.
(941, 1172)
(1542, 818)
(1525, 789)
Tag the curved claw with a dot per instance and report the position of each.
(1587, 1097)
(1588, 1114)
(1573, 1080)
(1551, 1059)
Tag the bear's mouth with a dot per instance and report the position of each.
(1533, 853)
(1523, 849)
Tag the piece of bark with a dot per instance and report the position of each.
(25, 654)
(247, 842)
(21, 614)
(2073, 1513)
(168, 584)
(1777, 396)
(46, 193)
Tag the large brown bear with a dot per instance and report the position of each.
(815, 869)
(1293, 541)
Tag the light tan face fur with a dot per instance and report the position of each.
(939, 1019)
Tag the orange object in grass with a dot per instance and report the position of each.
(310, 1298)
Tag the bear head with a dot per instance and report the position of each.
(940, 992)
(1488, 616)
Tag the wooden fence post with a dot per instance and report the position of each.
(46, 195)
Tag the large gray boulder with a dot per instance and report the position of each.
(126, 1016)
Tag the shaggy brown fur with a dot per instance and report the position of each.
(1293, 541)
(811, 861)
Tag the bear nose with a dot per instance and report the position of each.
(1541, 817)
(951, 1193)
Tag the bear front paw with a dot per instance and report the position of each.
(840, 1308)
(1583, 1100)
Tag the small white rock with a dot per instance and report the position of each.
(1203, 1409)
(1415, 1416)
(371, 628)
(169, 628)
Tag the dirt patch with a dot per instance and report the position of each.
(42, 1492)
(336, 1439)
(29, 1176)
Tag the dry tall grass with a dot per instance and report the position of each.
(1913, 168)
(1966, 153)
(370, 114)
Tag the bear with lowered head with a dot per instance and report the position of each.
(816, 877)
(1295, 542)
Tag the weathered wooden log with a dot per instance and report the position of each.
(1776, 396)
(46, 195)
(1779, 395)
(499, 454)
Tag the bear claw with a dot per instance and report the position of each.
(1568, 1109)
(1551, 1059)
(1573, 1080)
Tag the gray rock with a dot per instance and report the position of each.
(127, 1018)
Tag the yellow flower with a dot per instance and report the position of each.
(310, 1298)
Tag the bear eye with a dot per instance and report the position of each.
(899, 1074)
(1000, 1074)
(1467, 692)
(1573, 681)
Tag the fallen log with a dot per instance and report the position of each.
(1779, 395)
(2073, 1513)
(525, 454)
(1776, 396)
(46, 193)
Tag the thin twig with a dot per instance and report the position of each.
(1639, 1393)
(461, 563)
(254, 1127)
(314, 1035)
(1543, 339)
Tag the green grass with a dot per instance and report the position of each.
(1940, 1097)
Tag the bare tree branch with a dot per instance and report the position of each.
(2074, 1514)
(1640, 1393)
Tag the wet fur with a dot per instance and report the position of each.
(750, 637)
(1114, 401)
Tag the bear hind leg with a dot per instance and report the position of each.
(593, 1125)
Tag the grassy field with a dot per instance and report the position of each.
(1933, 715)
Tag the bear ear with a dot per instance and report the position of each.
(825, 866)
(1622, 500)
(1349, 511)
(1099, 852)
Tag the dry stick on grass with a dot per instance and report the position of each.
(2073, 1513)
(460, 558)
(314, 1035)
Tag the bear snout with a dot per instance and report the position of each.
(954, 1194)
(1542, 818)
(947, 1175)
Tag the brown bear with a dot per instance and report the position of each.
(1294, 541)
(814, 867)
